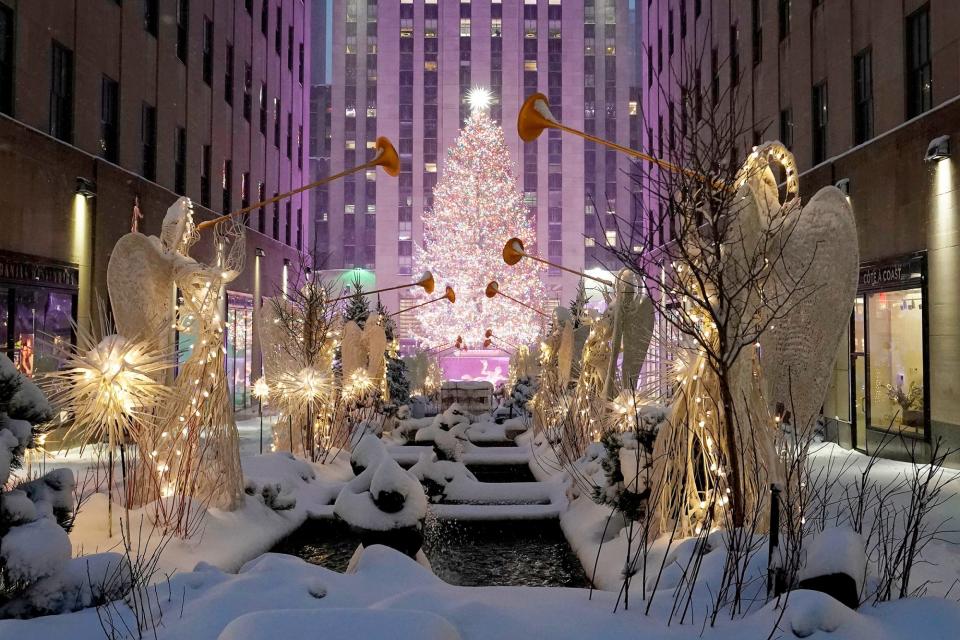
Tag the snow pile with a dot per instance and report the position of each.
(439, 476)
(448, 432)
(382, 498)
(341, 623)
(368, 452)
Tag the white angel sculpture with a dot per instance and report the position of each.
(192, 452)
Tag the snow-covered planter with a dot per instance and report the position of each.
(447, 432)
(836, 564)
(368, 452)
(385, 505)
(437, 475)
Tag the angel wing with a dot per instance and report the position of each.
(821, 262)
(565, 353)
(352, 352)
(638, 319)
(375, 342)
(140, 283)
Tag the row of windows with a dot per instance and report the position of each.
(918, 77)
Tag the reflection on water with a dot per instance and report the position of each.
(484, 553)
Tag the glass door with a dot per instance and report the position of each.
(859, 391)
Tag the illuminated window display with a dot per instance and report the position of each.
(888, 351)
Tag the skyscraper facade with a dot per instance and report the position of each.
(114, 109)
(403, 70)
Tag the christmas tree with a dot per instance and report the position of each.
(477, 207)
(358, 309)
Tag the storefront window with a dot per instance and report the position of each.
(896, 361)
(240, 348)
(42, 320)
(887, 352)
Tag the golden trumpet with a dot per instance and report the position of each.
(489, 335)
(513, 251)
(493, 289)
(449, 294)
(386, 157)
(426, 282)
(535, 116)
(487, 344)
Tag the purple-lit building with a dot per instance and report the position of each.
(402, 70)
(145, 101)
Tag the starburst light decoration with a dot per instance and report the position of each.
(111, 388)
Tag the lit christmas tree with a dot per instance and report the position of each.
(477, 207)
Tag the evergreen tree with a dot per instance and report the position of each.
(358, 309)
(477, 208)
(578, 306)
(35, 515)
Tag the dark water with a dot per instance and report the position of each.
(513, 553)
(502, 472)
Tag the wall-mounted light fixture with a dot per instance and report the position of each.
(844, 185)
(938, 149)
(308, 273)
(86, 187)
(259, 252)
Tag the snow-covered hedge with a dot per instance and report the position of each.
(37, 576)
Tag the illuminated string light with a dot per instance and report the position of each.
(477, 207)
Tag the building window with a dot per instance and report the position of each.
(919, 67)
(276, 218)
(288, 226)
(757, 22)
(207, 50)
(301, 64)
(7, 31)
(183, 29)
(734, 55)
(887, 363)
(226, 180)
(278, 31)
(299, 229)
(290, 47)
(109, 112)
(786, 127)
(61, 92)
(862, 97)
(697, 8)
(783, 17)
(239, 349)
(819, 114)
(289, 135)
(228, 75)
(180, 161)
(300, 146)
(206, 166)
(264, 16)
(276, 122)
(245, 195)
(247, 91)
(150, 16)
(148, 140)
(714, 76)
(261, 196)
(263, 108)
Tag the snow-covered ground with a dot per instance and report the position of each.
(221, 587)
(391, 596)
